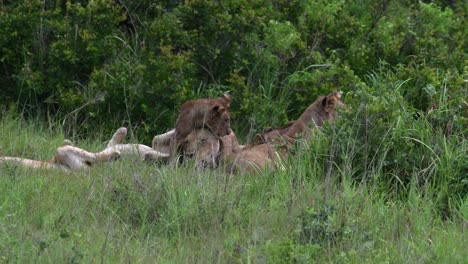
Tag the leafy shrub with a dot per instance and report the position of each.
(101, 63)
(382, 139)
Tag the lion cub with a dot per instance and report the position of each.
(210, 113)
(321, 110)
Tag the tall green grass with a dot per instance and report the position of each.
(319, 209)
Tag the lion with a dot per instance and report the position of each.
(320, 111)
(200, 144)
(69, 157)
(209, 151)
(203, 146)
(210, 113)
(137, 150)
(256, 158)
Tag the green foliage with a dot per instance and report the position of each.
(313, 212)
(289, 252)
(98, 62)
(91, 66)
(382, 139)
(58, 48)
(318, 227)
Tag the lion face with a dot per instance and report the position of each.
(219, 121)
(202, 145)
(211, 113)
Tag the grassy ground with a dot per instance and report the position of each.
(130, 211)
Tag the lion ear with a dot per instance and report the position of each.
(227, 99)
(259, 139)
(338, 94)
(325, 101)
(217, 108)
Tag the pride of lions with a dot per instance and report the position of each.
(202, 133)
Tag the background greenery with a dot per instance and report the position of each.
(386, 182)
(107, 63)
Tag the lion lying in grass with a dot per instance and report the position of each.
(198, 115)
(200, 144)
(137, 150)
(271, 148)
(209, 151)
(257, 158)
(66, 157)
(321, 110)
(203, 146)
(69, 157)
(207, 147)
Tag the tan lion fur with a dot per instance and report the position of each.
(256, 158)
(271, 133)
(321, 110)
(132, 150)
(162, 142)
(66, 157)
(211, 113)
(226, 151)
(203, 146)
(69, 157)
(272, 148)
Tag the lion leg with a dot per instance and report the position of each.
(109, 154)
(162, 143)
(118, 137)
(76, 158)
(35, 164)
(138, 150)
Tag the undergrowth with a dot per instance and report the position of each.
(327, 205)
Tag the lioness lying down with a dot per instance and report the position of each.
(203, 146)
(66, 157)
(69, 157)
(138, 150)
(256, 158)
(210, 151)
(200, 144)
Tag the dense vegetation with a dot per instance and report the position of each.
(386, 182)
(134, 62)
(314, 211)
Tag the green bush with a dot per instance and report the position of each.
(96, 64)
(381, 139)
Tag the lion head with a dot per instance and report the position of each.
(203, 146)
(211, 113)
